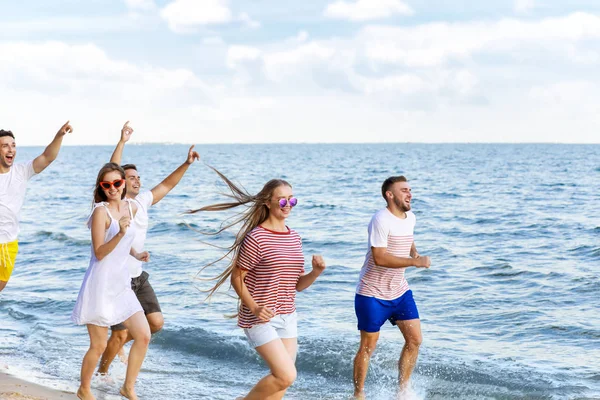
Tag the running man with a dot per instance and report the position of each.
(13, 186)
(382, 292)
(139, 278)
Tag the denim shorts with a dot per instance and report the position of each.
(372, 312)
(283, 326)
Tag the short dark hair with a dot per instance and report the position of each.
(6, 133)
(128, 166)
(389, 182)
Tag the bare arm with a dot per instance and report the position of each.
(306, 280)
(237, 281)
(384, 259)
(413, 251)
(161, 190)
(117, 155)
(99, 225)
(42, 161)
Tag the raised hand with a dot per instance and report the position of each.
(126, 132)
(192, 155)
(66, 128)
(423, 262)
(318, 263)
(124, 223)
(263, 313)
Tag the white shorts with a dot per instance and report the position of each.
(284, 326)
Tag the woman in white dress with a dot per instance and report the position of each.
(106, 297)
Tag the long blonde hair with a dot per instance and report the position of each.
(255, 214)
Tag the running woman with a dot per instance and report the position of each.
(266, 272)
(13, 185)
(140, 279)
(383, 293)
(106, 297)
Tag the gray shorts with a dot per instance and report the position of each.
(145, 295)
(282, 326)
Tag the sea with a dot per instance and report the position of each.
(510, 308)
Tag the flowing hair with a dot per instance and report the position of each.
(256, 213)
(99, 195)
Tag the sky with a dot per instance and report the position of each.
(289, 71)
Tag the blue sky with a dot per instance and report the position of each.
(219, 71)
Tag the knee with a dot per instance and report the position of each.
(415, 341)
(156, 325)
(119, 337)
(286, 378)
(98, 348)
(367, 349)
(144, 338)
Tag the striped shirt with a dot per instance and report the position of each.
(274, 262)
(396, 235)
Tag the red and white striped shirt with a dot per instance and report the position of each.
(395, 234)
(274, 262)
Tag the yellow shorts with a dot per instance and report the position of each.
(8, 255)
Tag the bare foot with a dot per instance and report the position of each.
(128, 394)
(359, 396)
(239, 398)
(85, 394)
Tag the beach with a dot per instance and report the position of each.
(13, 388)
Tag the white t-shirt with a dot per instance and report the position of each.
(143, 201)
(13, 186)
(395, 234)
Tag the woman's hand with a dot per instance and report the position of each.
(263, 313)
(318, 263)
(124, 223)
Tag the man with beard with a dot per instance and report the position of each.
(382, 292)
(139, 278)
(13, 185)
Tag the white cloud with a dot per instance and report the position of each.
(140, 4)
(524, 6)
(436, 44)
(249, 22)
(187, 15)
(239, 54)
(363, 10)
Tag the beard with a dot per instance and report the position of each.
(401, 205)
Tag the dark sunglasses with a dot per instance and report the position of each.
(116, 184)
(284, 202)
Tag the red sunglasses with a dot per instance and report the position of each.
(116, 184)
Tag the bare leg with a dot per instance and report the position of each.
(138, 327)
(2, 285)
(283, 372)
(115, 343)
(411, 330)
(98, 339)
(156, 321)
(368, 342)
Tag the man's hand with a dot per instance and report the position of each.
(423, 262)
(192, 156)
(143, 256)
(66, 128)
(126, 132)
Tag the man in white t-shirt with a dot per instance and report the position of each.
(13, 186)
(382, 293)
(139, 278)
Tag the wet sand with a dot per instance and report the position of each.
(13, 388)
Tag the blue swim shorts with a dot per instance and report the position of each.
(372, 312)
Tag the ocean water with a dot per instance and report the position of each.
(509, 308)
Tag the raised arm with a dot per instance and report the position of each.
(99, 226)
(305, 281)
(51, 152)
(117, 155)
(382, 258)
(161, 190)
(237, 281)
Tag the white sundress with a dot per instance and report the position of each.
(106, 297)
